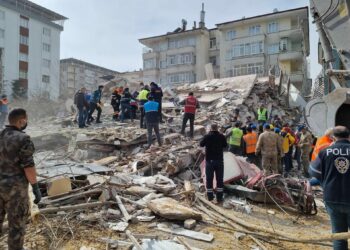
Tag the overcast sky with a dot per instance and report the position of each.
(106, 32)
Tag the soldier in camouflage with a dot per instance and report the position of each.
(16, 170)
(270, 148)
(305, 145)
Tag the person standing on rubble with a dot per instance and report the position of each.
(262, 114)
(157, 94)
(152, 120)
(95, 104)
(287, 146)
(17, 168)
(82, 106)
(323, 142)
(235, 141)
(305, 145)
(270, 148)
(214, 143)
(331, 168)
(142, 98)
(125, 105)
(4, 109)
(115, 102)
(249, 144)
(191, 104)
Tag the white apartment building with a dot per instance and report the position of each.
(240, 47)
(76, 74)
(29, 48)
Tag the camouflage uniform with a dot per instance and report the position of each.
(305, 148)
(16, 153)
(269, 146)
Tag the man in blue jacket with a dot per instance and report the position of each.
(95, 103)
(152, 119)
(331, 168)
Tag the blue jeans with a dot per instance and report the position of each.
(81, 116)
(340, 220)
(125, 108)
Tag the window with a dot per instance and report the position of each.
(2, 33)
(2, 15)
(230, 35)
(46, 47)
(283, 44)
(254, 30)
(272, 27)
(212, 43)
(46, 32)
(247, 49)
(212, 60)
(149, 63)
(46, 79)
(273, 48)
(181, 77)
(171, 60)
(46, 63)
(23, 74)
(23, 40)
(247, 69)
(163, 64)
(24, 22)
(23, 57)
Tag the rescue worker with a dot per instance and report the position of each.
(95, 104)
(279, 158)
(331, 168)
(133, 105)
(152, 120)
(214, 143)
(235, 141)
(323, 142)
(17, 169)
(157, 94)
(287, 145)
(125, 105)
(191, 104)
(250, 140)
(142, 98)
(4, 109)
(305, 145)
(82, 106)
(277, 121)
(115, 103)
(269, 147)
(262, 115)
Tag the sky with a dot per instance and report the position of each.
(106, 32)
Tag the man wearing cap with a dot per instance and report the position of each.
(305, 145)
(235, 141)
(95, 103)
(331, 168)
(3, 110)
(269, 147)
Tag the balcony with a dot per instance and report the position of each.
(287, 55)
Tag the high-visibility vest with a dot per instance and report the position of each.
(236, 137)
(143, 95)
(322, 143)
(262, 114)
(250, 140)
(191, 105)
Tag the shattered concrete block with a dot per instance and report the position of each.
(171, 138)
(59, 186)
(172, 209)
(190, 224)
(139, 191)
(106, 161)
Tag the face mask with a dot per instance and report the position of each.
(24, 126)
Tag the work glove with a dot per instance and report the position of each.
(36, 192)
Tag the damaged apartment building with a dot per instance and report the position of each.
(253, 45)
(29, 50)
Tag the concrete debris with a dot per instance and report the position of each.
(190, 224)
(118, 227)
(184, 232)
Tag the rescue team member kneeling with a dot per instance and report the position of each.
(331, 168)
(16, 170)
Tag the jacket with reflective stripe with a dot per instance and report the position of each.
(191, 105)
(262, 114)
(250, 140)
(236, 137)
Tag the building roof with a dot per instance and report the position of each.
(264, 15)
(172, 34)
(86, 64)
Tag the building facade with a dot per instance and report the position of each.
(29, 50)
(76, 74)
(246, 46)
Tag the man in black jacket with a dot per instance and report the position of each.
(331, 168)
(125, 105)
(214, 143)
(157, 94)
(82, 106)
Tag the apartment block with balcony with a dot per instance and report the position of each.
(240, 47)
(76, 74)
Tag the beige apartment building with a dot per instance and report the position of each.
(240, 47)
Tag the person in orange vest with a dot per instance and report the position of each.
(249, 142)
(323, 142)
(191, 104)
